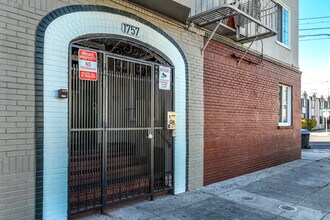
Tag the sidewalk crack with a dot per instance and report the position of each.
(325, 215)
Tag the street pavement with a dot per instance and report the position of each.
(320, 140)
(295, 190)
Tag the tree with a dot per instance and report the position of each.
(304, 123)
(311, 123)
(308, 123)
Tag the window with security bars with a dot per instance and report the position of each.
(283, 24)
(285, 105)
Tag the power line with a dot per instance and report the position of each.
(313, 83)
(318, 22)
(325, 38)
(310, 83)
(312, 18)
(317, 79)
(313, 35)
(310, 29)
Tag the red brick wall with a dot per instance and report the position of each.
(241, 133)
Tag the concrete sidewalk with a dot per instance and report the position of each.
(295, 190)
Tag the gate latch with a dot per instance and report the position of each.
(150, 136)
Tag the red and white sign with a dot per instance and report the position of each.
(87, 65)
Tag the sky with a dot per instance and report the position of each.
(314, 52)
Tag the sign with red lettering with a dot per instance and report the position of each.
(87, 65)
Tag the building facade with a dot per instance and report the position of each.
(106, 102)
(312, 107)
(304, 105)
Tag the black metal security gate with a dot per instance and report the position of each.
(119, 147)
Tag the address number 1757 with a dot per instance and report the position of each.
(130, 29)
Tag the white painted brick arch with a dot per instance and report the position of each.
(58, 35)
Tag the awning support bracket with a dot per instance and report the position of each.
(247, 50)
(211, 36)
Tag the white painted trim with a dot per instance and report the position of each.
(283, 45)
(289, 104)
(58, 35)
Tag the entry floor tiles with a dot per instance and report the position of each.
(295, 190)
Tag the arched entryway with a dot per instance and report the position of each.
(120, 149)
(54, 35)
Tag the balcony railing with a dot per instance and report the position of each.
(241, 20)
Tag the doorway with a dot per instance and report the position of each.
(120, 149)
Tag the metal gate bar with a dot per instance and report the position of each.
(164, 150)
(111, 158)
(84, 147)
(129, 178)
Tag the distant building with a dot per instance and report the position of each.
(312, 108)
(305, 105)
